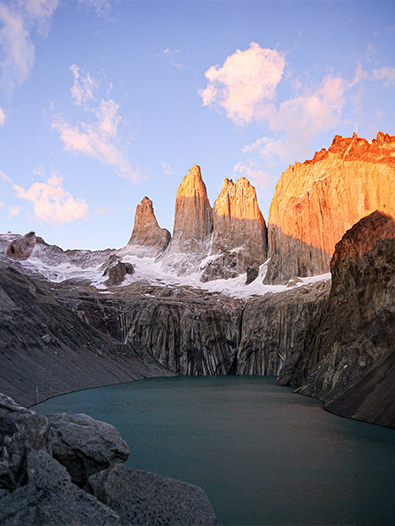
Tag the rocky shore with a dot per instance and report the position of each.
(60, 469)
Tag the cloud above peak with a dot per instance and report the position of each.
(52, 203)
(99, 139)
(246, 83)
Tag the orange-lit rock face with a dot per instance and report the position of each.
(146, 231)
(192, 219)
(239, 239)
(316, 202)
(237, 220)
(192, 226)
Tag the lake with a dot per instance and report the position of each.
(264, 455)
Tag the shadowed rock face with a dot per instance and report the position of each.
(192, 225)
(316, 202)
(22, 247)
(148, 238)
(346, 355)
(239, 232)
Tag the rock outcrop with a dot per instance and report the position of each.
(192, 226)
(22, 247)
(239, 237)
(47, 350)
(346, 357)
(117, 270)
(85, 446)
(36, 490)
(147, 239)
(139, 497)
(316, 202)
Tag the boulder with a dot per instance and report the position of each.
(116, 270)
(148, 239)
(49, 498)
(22, 247)
(85, 445)
(316, 202)
(142, 498)
(21, 431)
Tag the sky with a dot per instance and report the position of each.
(103, 102)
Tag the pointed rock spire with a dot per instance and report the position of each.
(192, 226)
(146, 232)
(193, 215)
(239, 232)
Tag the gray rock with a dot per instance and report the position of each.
(21, 431)
(22, 247)
(345, 357)
(85, 445)
(252, 273)
(116, 270)
(142, 498)
(50, 499)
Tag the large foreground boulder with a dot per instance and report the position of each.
(85, 445)
(49, 498)
(21, 431)
(142, 498)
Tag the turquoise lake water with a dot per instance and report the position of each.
(264, 455)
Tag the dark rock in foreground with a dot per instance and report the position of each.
(36, 490)
(49, 498)
(346, 357)
(142, 498)
(85, 445)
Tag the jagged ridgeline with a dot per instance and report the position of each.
(75, 319)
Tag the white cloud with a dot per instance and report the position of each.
(5, 177)
(16, 20)
(168, 169)
(52, 203)
(83, 88)
(1, 204)
(385, 73)
(100, 6)
(253, 173)
(98, 139)
(2, 117)
(246, 83)
(102, 210)
(14, 211)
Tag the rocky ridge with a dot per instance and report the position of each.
(346, 355)
(316, 202)
(45, 461)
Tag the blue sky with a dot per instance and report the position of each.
(105, 101)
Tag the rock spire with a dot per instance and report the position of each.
(239, 231)
(192, 225)
(147, 237)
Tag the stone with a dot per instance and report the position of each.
(117, 270)
(50, 499)
(252, 273)
(148, 239)
(192, 226)
(21, 431)
(22, 247)
(316, 202)
(345, 357)
(142, 498)
(239, 237)
(85, 445)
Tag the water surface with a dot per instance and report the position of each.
(264, 455)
